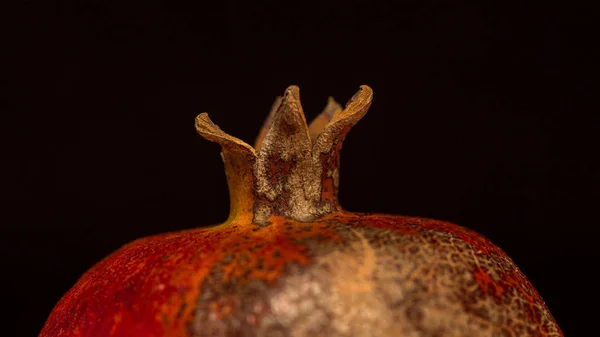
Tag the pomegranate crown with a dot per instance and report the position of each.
(293, 168)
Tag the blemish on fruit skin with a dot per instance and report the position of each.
(486, 284)
(378, 231)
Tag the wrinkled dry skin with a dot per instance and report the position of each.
(290, 262)
(294, 171)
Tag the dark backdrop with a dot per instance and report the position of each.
(476, 120)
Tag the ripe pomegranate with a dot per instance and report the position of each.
(289, 261)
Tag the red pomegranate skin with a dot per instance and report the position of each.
(290, 261)
(153, 286)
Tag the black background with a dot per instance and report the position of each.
(480, 117)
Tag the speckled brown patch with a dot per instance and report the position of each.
(398, 278)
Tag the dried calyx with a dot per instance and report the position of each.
(293, 169)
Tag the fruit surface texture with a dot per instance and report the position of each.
(289, 261)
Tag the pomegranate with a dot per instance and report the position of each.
(289, 261)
